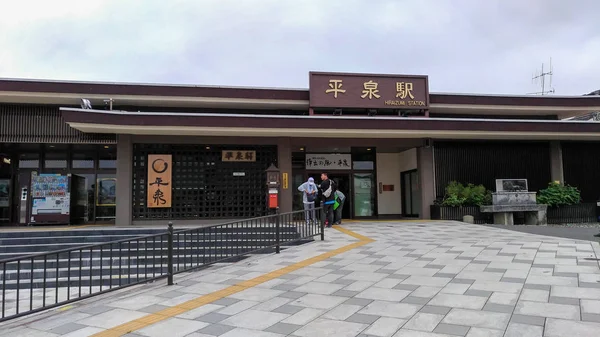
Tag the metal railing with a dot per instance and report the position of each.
(38, 282)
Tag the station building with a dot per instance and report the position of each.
(136, 154)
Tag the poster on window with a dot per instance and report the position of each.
(106, 189)
(329, 161)
(4, 192)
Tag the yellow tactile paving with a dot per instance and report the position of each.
(164, 314)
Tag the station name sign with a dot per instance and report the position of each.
(342, 90)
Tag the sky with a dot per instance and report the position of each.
(464, 46)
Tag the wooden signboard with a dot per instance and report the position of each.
(159, 180)
(238, 156)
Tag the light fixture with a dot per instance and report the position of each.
(51, 146)
(106, 146)
(301, 149)
(369, 149)
(208, 147)
(85, 104)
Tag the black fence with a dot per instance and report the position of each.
(456, 213)
(42, 281)
(579, 213)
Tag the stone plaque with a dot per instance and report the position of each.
(511, 185)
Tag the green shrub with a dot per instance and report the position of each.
(471, 195)
(556, 195)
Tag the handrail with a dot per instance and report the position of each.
(67, 275)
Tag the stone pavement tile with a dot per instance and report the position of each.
(387, 283)
(450, 329)
(455, 288)
(201, 311)
(94, 309)
(590, 317)
(575, 292)
(216, 329)
(257, 294)
(480, 293)
(240, 332)
(137, 302)
(112, 318)
(535, 295)
(410, 287)
(503, 287)
(523, 330)
(292, 294)
(417, 271)
(172, 327)
(364, 276)
(561, 328)
(416, 300)
(431, 309)
(423, 321)
(343, 281)
(342, 312)
(227, 301)
(359, 286)
(390, 309)
(563, 300)
(427, 292)
(385, 327)
(325, 327)
(237, 307)
(391, 273)
(179, 300)
(358, 301)
(589, 278)
(526, 319)
(482, 332)
(254, 319)
(273, 303)
(588, 285)
(537, 286)
(383, 294)
(303, 316)
(212, 317)
(499, 308)
(361, 318)
(328, 278)
(459, 280)
(548, 310)
(288, 309)
(553, 280)
(66, 328)
(283, 328)
(577, 269)
(56, 321)
(481, 319)
(513, 280)
(590, 307)
(427, 281)
(413, 333)
(153, 308)
(319, 301)
(458, 301)
(345, 293)
(85, 332)
(319, 288)
(504, 298)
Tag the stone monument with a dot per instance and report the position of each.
(512, 195)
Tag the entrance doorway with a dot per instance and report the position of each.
(411, 197)
(343, 185)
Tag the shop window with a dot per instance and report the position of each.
(108, 157)
(106, 197)
(55, 160)
(29, 161)
(83, 161)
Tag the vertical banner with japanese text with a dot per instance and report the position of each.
(159, 180)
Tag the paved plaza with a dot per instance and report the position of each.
(367, 279)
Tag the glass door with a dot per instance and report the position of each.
(364, 195)
(411, 196)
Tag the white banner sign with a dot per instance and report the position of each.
(328, 161)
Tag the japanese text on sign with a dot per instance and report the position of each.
(328, 161)
(238, 155)
(159, 180)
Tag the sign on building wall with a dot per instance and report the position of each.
(238, 156)
(159, 180)
(328, 161)
(340, 90)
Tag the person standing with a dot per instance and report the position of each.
(338, 211)
(328, 189)
(309, 194)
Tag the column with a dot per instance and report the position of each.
(124, 180)
(284, 154)
(556, 162)
(426, 179)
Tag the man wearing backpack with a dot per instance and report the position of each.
(328, 189)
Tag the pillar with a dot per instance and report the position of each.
(426, 179)
(284, 161)
(124, 180)
(556, 162)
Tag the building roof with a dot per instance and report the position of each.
(68, 93)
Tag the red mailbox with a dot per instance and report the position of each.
(273, 198)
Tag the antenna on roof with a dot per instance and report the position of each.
(541, 79)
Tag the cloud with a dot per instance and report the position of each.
(474, 46)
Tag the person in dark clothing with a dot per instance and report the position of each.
(328, 189)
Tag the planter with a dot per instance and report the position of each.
(579, 213)
(457, 213)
